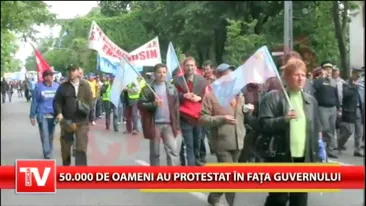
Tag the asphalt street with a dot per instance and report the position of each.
(20, 140)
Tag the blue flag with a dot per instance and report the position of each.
(125, 74)
(172, 61)
(257, 69)
(107, 65)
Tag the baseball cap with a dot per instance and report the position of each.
(224, 67)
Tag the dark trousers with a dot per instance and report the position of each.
(98, 108)
(3, 96)
(27, 94)
(67, 141)
(190, 150)
(202, 152)
(110, 108)
(231, 156)
(132, 118)
(294, 198)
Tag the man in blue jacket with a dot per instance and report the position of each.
(42, 110)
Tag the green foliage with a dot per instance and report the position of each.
(19, 16)
(17, 19)
(113, 8)
(215, 30)
(239, 47)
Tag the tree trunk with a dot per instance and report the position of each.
(339, 29)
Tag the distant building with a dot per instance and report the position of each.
(357, 37)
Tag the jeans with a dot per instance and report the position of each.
(46, 129)
(171, 145)
(192, 136)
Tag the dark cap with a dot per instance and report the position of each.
(48, 73)
(224, 67)
(72, 67)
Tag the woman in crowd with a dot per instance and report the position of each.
(293, 127)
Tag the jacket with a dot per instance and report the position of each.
(65, 101)
(351, 98)
(272, 110)
(199, 88)
(42, 101)
(147, 110)
(106, 91)
(224, 136)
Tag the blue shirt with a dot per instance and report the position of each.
(31, 84)
(42, 99)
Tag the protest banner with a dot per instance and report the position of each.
(102, 44)
(146, 55)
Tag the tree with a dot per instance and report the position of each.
(340, 20)
(219, 31)
(114, 8)
(17, 19)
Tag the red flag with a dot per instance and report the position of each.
(41, 64)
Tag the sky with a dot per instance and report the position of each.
(63, 10)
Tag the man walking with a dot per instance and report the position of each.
(108, 105)
(227, 129)
(326, 94)
(42, 110)
(191, 131)
(4, 89)
(352, 115)
(133, 93)
(72, 103)
(160, 117)
(95, 90)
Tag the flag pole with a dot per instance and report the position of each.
(138, 74)
(180, 69)
(279, 78)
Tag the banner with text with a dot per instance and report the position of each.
(146, 55)
(111, 65)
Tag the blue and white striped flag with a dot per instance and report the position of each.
(172, 61)
(125, 74)
(257, 69)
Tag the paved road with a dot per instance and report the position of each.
(19, 140)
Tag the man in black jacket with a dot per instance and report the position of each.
(326, 94)
(352, 115)
(72, 104)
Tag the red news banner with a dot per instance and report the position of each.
(43, 176)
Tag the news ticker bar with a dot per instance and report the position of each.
(316, 177)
